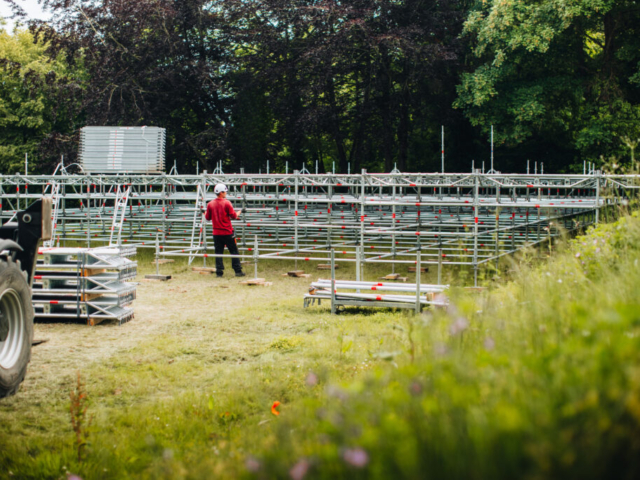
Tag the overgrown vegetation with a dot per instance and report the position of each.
(538, 378)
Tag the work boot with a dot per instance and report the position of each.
(240, 274)
(219, 274)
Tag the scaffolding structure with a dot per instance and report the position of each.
(451, 219)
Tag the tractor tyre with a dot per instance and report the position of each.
(16, 326)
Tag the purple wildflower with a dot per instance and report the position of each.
(458, 326)
(312, 379)
(299, 470)
(356, 457)
(489, 344)
(253, 465)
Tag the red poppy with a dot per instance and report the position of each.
(275, 405)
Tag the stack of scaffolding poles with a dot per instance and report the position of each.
(374, 294)
(452, 219)
(87, 285)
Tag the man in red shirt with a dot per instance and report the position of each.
(221, 212)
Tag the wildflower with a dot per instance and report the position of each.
(415, 388)
(71, 476)
(489, 344)
(275, 405)
(578, 255)
(356, 457)
(299, 470)
(336, 392)
(252, 465)
(312, 379)
(441, 350)
(459, 325)
(441, 299)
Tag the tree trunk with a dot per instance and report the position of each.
(338, 137)
(385, 109)
(608, 57)
(363, 112)
(404, 125)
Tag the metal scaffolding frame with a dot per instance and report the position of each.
(451, 219)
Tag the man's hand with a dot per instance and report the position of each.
(244, 210)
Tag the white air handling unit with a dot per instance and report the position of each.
(122, 149)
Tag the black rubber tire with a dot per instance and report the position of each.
(16, 309)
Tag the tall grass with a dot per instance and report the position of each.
(538, 378)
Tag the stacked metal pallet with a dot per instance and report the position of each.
(84, 284)
(122, 149)
(341, 292)
(376, 294)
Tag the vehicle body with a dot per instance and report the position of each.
(19, 242)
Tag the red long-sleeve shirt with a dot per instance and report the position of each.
(221, 212)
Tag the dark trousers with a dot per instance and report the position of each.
(229, 241)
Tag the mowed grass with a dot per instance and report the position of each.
(538, 377)
(195, 337)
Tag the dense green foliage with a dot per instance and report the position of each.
(28, 111)
(364, 84)
(558, 72)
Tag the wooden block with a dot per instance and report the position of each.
(90, 272)
(92, 322)
(87, 297)
(203, 269)
(162, 261)
(253, 281)
(296, 273)
(422, 269)
(204, 273)
(475, 289)
(162, 278)
(326, 266)
(257, 284)
(394, 278)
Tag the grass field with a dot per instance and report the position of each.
(538, 377)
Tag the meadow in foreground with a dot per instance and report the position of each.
(538, 377)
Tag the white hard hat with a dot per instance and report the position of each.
(219, 188)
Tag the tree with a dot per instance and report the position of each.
(27, 109)
(556, 71)
(349, 81)
(150, 62)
